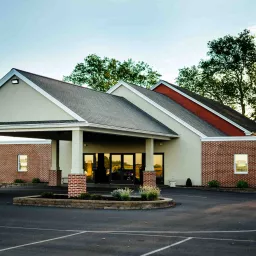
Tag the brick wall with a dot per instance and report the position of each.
(39, 162)
(218, 162)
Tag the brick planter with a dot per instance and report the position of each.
(76, 184)
(149, 178)
(95, 204)
(54, 178)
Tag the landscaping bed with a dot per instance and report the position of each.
(106, 202)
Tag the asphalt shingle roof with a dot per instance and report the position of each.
(180, 112)
(98, 107)
(224, 110)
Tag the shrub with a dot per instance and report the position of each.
(36, 180)
(47, 195)
(85, 196)
(19, 181)
(213, 184)
(148, 193)
(122, 194)
(96, 197)
(189, 183)
(242, 184)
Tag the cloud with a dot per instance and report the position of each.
(252, 29)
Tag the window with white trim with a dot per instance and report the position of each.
(241, 163)
(22, 163)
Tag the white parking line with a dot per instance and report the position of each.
(166, 247)
(40, 242)
(194, 237)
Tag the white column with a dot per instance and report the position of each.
(55, 155)
(149, 155)
(77, 152)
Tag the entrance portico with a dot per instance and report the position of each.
(134, 167)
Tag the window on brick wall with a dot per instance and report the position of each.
(241, 163)
(22, 163)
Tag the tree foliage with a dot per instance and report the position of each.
(102, 73)
(228, 75)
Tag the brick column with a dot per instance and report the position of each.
(76, 184)
(77, 178)
(55, 172)
(149, 175)
(149, 179)
(54, 178)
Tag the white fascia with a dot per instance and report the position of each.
(120, 83)
(233, 138)
(85, 126)
(202, 105)
(128, 131)
(26, 142)
(14, 72)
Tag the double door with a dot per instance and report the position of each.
(122, 168)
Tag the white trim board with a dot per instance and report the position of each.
(14, 72)
(202, 105)
(238, 138)
(85, 126)
(21, 142)
(112, 89)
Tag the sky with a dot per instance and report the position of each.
(49, 37)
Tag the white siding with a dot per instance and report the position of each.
(182, 155)
(20, 102)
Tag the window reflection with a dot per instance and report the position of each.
(241, 163)
(138, 166)
(158, 165)
(22, 163)
(90, 164)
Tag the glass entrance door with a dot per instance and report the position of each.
(90, 165)
(122, 168)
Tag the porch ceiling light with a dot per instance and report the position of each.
(15, 81)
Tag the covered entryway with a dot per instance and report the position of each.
(87, 165)
(34, 106)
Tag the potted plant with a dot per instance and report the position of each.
(172, 183)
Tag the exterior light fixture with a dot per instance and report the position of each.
(15, 81)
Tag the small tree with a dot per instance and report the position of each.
(102, 73)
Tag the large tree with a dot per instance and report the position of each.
(102, 73)
(228, 75)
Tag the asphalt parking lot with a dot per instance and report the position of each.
(203, 223)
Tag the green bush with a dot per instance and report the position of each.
(85, 196)
(19, 181)
(213, 184)
(148, 193)
(189, 183)
(36, 180)
(47, 195)
(122, 194)
(242, 184)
